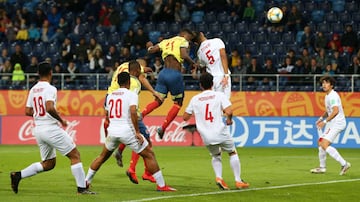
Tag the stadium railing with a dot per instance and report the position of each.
(240, 82)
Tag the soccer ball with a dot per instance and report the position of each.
(274, 15)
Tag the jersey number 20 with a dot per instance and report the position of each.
(115, 108)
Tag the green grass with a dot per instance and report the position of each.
(280, 174)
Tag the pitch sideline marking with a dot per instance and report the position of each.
(244, 190)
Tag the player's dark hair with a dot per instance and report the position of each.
(134, 65)
(44, 69)
(196, 37)
(206, 80)
(329, 79)
(123, 78)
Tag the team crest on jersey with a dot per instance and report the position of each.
(239, 130)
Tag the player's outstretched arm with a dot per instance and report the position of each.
(153, 49)
(148, 86)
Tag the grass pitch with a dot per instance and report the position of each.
(274, 174)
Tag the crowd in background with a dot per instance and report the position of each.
(96, 36)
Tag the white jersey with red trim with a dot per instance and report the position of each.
(209, 56)
(207, 108)
(40, 93)
(333, 99)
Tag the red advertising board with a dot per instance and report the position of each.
(88, 130)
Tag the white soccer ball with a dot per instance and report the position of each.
(274, 15)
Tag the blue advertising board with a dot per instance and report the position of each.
(289, 132)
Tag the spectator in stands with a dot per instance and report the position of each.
(54, 16)
(4, 56)
(320, 41)
(22, 34)
(32, 69)
(128, 40)
(328, 71)
(67, 51)
(236, 9)
(254, 68)
(97, 62)
(81, 49)
(125, 55)
(72, 72)
(38, 18)
(181, 13)
(10, 32)
(92, 10)
(18, 76)
(314, 67)
(285, 69)
(6, 79)
(238, 68)
(34, 33)
(4, 21)
(158, 6)
(292, 55)
(269, 68)
(247, 59)
(144, 9)
(19, 57)
(233, 59)
(78, 30)
(354, 67)
(322, 59)
(295, 20)
(157, 67)
(305, 57)
(111, 57)
(335, 43)
(109, 19)
(56, 79)
(249, 12)
(140, 40)
(168, 11)
(349, 40)
(299, 68)
(46, 31)
(93, 46)
(307, 39)
(337, 62)
(61, 31)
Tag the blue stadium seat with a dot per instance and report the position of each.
(288, 38)
(331, 17)
(260, 38)
(247, 38)
(356, 17)
(214, 27)
(317, 16)
(201, 27)
(241, 27)
(279, 49)
(253, 48)
(210, 17)
(266, 49)
(149, 27)
(274, 38)
(53, 48)
(352, 6)
(114, 38)
(175, 27)
(323, 27)
(228, 27)
(222, 17)
(39, 49)
(162, 27)
(189, 25)
(337, 27)
(26, 48)
(101, 38)
(344, 17)
(338, 5)
(309, 6)
(154, 36)
(197, 16)
(254, 27)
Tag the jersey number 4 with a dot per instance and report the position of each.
(208, 114)
(115, 108)
(39, 106)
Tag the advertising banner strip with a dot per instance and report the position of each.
(246, 131)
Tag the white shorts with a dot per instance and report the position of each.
(331, 131)
(219, 88)
(127, 137)
(226, 146)
(51, 138)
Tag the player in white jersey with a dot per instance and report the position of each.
(121, 106)
(212, 56)
(208, 108)
(334, 121)
(41, 105)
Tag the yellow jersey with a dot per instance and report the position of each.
(135, 84)
(172, 47)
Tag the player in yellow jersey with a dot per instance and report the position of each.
(136, 70)
(173, 51)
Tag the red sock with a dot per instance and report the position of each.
(134, 159)
(171, 116)
(121, 148)
(150, 107)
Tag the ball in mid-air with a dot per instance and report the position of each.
(274, 15)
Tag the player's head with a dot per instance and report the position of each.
(327, 82)
(124, 79)
(134, 68)
(44, 69)
(198, 37)
(206, 81)
(187, 34)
